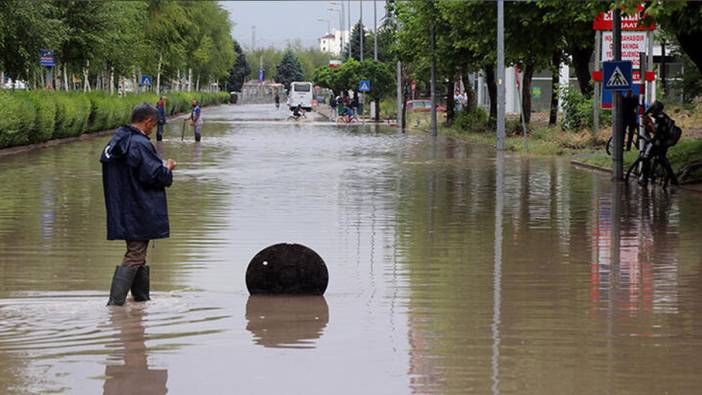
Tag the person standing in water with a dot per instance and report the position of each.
(277, 101)
(161, 107)
(196, 119)
(134, 181)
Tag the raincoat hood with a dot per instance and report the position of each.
(119, 145)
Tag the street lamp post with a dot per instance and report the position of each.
(340, 11)
(375, 31)
(348, 19)
(360, 26)
(328, 23)
(500, 75)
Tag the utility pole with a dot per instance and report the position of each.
(375, 30)
(617, 130)
(253, 38)
(348, 19)
(432, 84)
(598, 85)
(500, 78)
(399, 94)
(399, 86)
(360, 25)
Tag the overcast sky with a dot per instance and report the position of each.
(278, 22)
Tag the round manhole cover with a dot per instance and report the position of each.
(287, 269)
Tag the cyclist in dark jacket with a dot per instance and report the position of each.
(134, 181)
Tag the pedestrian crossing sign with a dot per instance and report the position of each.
(617, 75)
(364, 86)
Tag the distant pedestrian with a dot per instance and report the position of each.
(355, 102)
(630, 105)
(196, 119)
(161, 107)
(134, 181)
(277, 101)
(332, 104)
(339, 106)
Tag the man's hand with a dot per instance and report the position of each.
(170, 164)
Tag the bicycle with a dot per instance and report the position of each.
(652, 163)
(609, 147)
(297, 117)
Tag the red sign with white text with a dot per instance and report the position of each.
(604, 21)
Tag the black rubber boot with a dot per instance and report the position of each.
(140, 285)
(121, 282)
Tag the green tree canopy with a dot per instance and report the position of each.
(241, 69)
(289, 69)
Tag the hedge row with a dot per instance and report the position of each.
(34, 117)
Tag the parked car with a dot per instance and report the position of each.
(423, 105)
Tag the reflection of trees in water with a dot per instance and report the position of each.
(286, 321)
(444, 237)
(133, 375)
(53, 202)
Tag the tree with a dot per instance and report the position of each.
(683, 19)
(288, 70)
(165, 36)
(25, 28)
(241, 68)
(381, 80)
(355, 44)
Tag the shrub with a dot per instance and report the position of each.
(578, 111)
(72, 113)
(476, 120)
(45, 121)
(33, 117)
(17, 119)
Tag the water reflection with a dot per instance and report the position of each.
(497, 270)
(635, 242)
(133, 375)
(286, 321)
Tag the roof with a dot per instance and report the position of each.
(329, 35)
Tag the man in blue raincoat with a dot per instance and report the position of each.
(134, 181)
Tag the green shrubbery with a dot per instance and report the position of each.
(472, 121)
(33, 117)
(578, 111)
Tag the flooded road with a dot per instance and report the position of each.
(452, 270)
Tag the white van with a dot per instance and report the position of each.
(300, 93)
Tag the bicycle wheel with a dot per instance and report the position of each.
(633, 169)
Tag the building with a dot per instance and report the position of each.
(334, 42)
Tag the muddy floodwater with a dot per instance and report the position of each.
(451, 270)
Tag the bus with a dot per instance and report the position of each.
(300, 93)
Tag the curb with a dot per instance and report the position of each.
(588, 166)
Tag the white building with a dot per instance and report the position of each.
(334, 42)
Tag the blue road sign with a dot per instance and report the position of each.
(617, 75)
(146, 80)
(46, 58)
(261, 74)
(607, 96)
(364, 86)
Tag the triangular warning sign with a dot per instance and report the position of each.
(617, 79)
(364, 85)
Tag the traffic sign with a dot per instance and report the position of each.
(617, 75)
(364, 86)
(46, 58)
(146, 80)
